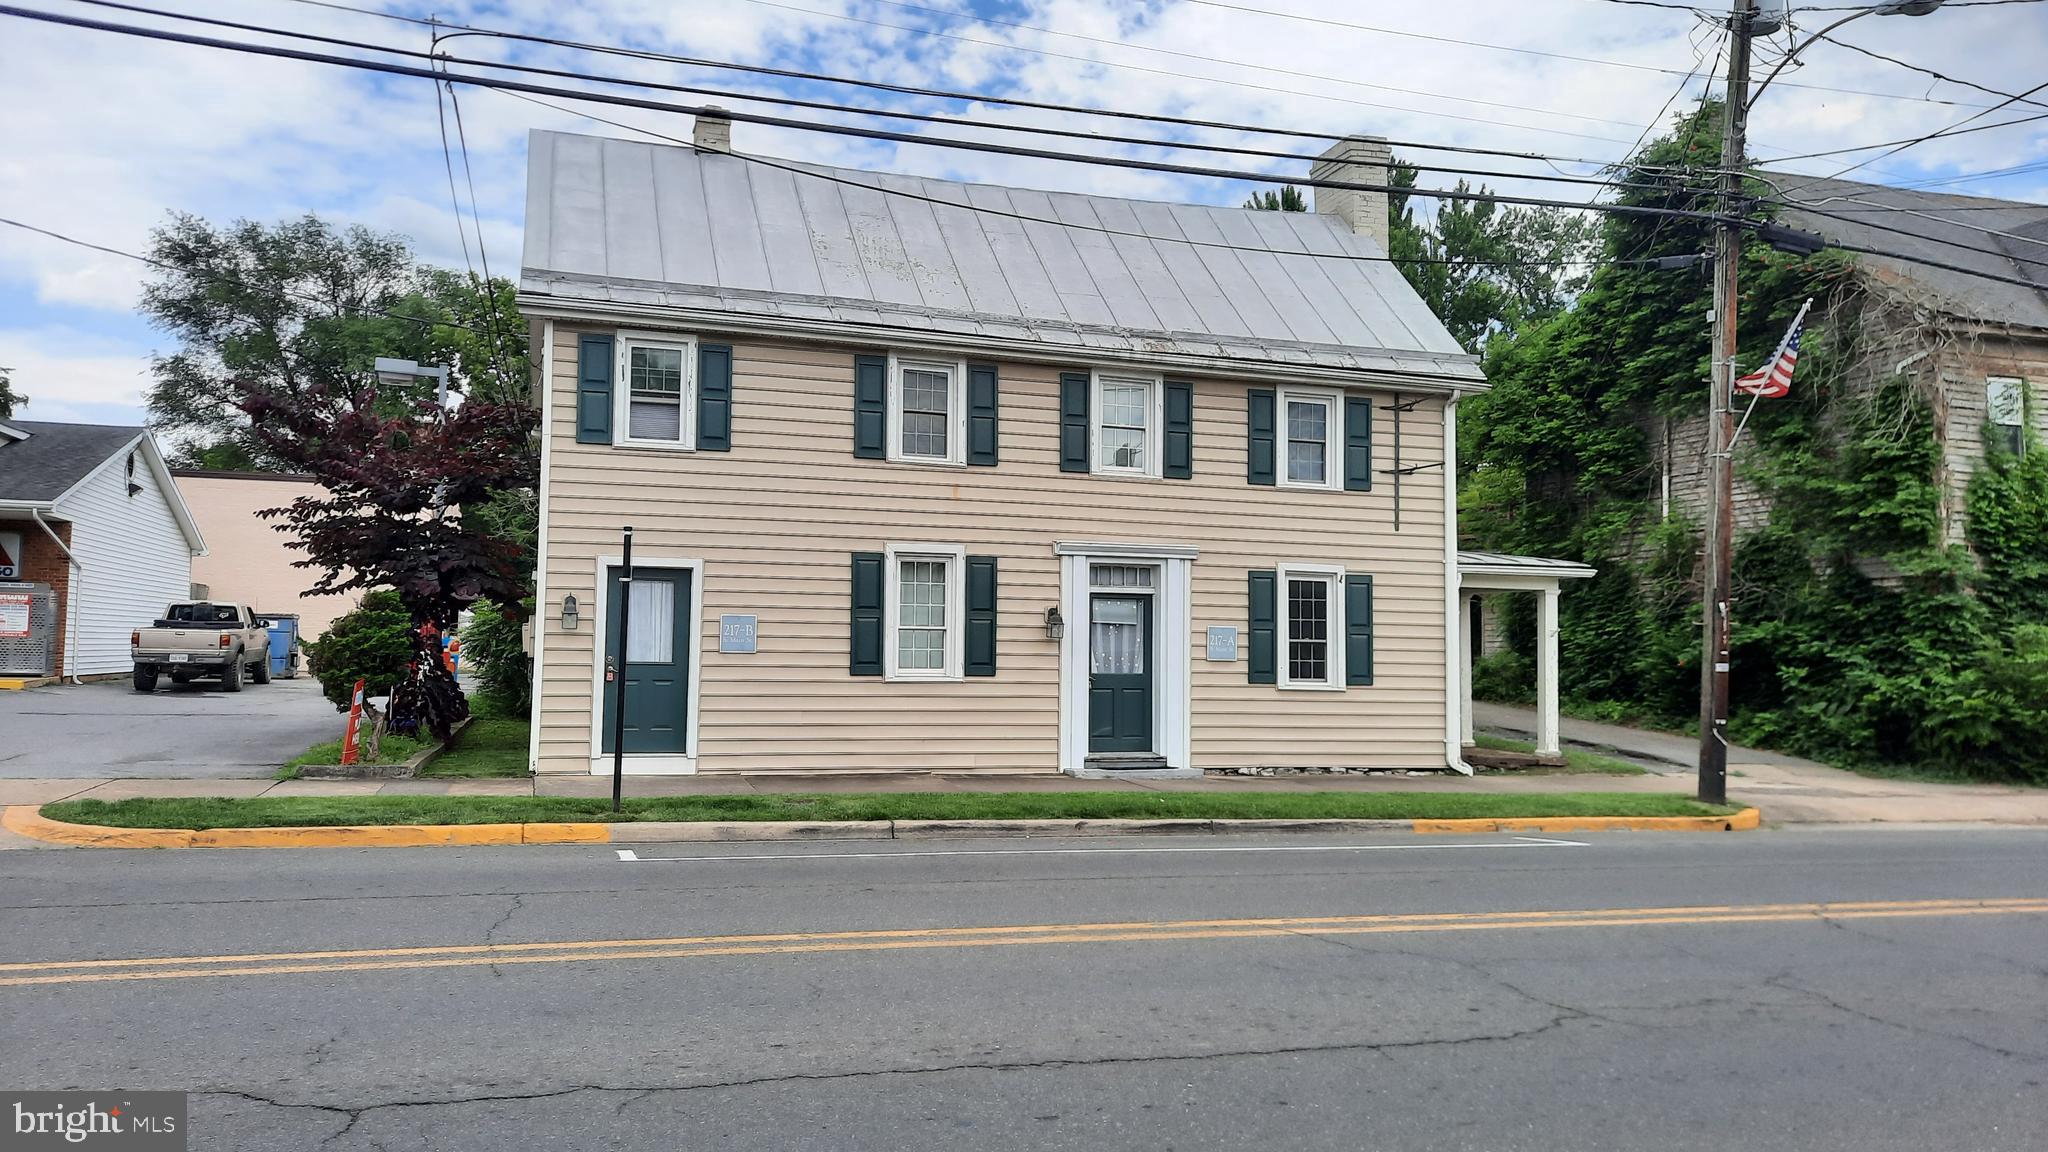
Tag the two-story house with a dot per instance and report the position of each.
(933, 475)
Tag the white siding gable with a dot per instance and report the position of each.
(134, 556)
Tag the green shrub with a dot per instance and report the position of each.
(373, 643)
(1506, 677)
(492, 653)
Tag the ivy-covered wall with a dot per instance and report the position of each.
(1864, 631)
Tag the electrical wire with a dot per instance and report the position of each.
(173, 268)
(1907, 141)
(906, 89)
(1326, 21)
(487, 292)
(438, 59)
(1838, 42)
(1124, 162)
(816, 172)
(1916, 141)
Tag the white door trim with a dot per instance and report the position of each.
(1173, 624)
(647, 763)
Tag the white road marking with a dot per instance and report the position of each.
(1520, 842)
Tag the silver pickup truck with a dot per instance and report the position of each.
(202, 640)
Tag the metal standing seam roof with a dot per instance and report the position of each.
(635, 223)
(1503, 564)
(1935, 230)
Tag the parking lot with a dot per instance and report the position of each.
(111, 731)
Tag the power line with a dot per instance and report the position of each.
(1838, 42)
(1951, 129)
(487, 297)
(1323, 20)
(438, 59)
(914, 30)
(1125, 162)
(173, 268)
(1922, 236)
(993, 21)
(1118, 162)
(909, 90)
(814, 172)
(1907, 141)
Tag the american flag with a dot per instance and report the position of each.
(1774, 378)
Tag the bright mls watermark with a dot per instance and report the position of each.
(123, 1121)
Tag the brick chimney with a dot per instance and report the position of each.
(1364, 160)
(713, 132)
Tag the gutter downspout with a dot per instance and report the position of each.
(1454, 678)
(70, 598)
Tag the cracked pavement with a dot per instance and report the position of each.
(1908, 1033)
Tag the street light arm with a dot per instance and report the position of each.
(1794, 54)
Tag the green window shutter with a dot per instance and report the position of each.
(866, 648)
(1259, 436)
(1074, 422)
(981, 616)
(1357, 629)
(871, 407)
(1358, 445)
(714, 397)
(594, 390)
(1179, 461)
(982, 405)
(1262, 649)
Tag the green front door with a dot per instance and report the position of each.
(1119, 673)
(656, 669)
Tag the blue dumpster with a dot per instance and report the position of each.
(285, 656)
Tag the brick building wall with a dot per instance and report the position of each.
(42, 562)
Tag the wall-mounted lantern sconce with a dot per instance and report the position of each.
(570, 616)
(1055, 624)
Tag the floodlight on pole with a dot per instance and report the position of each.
(391, 370)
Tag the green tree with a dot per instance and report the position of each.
(1488, 269)
(9, 398)
(303, 307)
(1287, 199)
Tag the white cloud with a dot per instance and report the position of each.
(105, 135)
(70, 375)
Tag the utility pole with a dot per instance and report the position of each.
(1713, 781)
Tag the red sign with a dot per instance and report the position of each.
(355, 716)
(13, 616)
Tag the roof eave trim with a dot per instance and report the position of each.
(842, 332)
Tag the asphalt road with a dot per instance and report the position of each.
(1399, 993)
(111, 731)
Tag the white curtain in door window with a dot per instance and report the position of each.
(651, 635)
(1116, 641)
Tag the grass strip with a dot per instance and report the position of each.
(328, 811)
(1576, 762)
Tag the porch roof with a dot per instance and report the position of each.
(1499, 571)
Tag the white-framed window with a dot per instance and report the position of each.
(1127, 413)
(924, 597)
(655, 399)
(1311, 438)
(2005, 410)
(1311, 626)
(927, 410)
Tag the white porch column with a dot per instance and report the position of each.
(1546, 673)
(1464, 642)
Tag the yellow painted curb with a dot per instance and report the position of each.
(26, 820)
(1747, 820)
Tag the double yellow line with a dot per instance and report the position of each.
(690, 947)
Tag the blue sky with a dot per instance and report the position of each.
(106, 135)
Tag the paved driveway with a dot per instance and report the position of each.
(111, 731)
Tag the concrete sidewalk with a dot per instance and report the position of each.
(1787, 788)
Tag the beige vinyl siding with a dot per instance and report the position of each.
(775, 521)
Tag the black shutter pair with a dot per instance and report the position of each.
(871, 410)
(1263, 639)
(870, 585)
(1177, 460)
(1262, 427)
(594, 360)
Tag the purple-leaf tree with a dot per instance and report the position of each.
(397, 474)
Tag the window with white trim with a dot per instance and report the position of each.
(1126, 414)
(1311, 626)
(925, 612)
(657, 403)
(927, 411)
(1312, 428)
(2005, 409)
